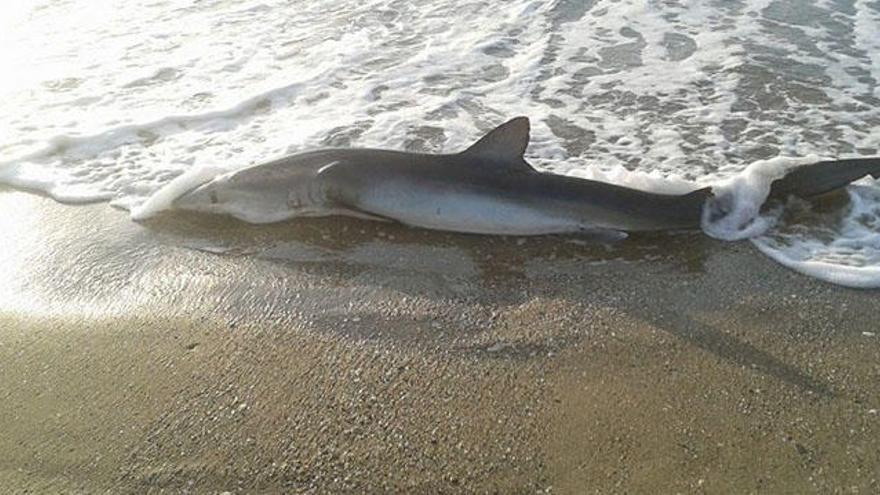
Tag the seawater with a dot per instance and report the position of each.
(111, 101)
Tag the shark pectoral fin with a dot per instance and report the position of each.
(504, 146)
(348, 212)
(336, 202)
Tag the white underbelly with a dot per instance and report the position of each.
(469, 213)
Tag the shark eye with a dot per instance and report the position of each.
(214, 199)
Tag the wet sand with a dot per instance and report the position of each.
(197, 354)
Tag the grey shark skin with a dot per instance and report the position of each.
(487, 189)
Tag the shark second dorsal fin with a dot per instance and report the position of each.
(505, 145)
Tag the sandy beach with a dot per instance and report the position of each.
(201, 355)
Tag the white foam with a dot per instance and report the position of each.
(653, 181)
(734, 213)
(841, 247)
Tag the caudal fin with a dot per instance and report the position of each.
(824, 177)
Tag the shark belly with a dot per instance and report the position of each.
(465, 211)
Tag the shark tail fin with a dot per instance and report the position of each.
(820, 178)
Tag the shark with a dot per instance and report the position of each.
(488, 188)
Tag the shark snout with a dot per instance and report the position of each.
(200, 197)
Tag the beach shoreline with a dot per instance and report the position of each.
(204, 355)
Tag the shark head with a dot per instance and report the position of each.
(246, 195)
(211, 195)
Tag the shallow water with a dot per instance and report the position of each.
(109, 102)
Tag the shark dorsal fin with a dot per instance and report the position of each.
(504, 145)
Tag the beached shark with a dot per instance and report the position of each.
(488, 188)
